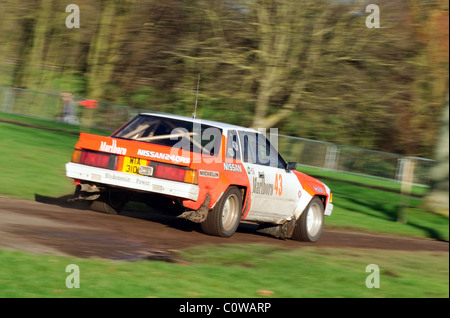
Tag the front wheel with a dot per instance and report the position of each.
(224, 219)
(309, 225)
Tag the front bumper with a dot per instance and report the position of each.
(329, 209)
(132, 181)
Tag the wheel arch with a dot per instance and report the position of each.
(245, 197)
(322, 198)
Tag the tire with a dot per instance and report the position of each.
(309, 225)
(223, 220)
(109, 203)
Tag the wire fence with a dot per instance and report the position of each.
(67, 108)
(348, 159)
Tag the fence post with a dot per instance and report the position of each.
(331, 157)
(407, 176)
(8, 100)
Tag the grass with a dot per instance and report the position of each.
(373, 205)
(232, 271)
(363, 180)
(50, 125)
(32, 160)
(374, 210)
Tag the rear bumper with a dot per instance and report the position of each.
(132, 181)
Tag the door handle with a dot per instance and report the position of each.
(261, 175)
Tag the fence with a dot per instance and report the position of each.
(348, 159)
(306, 152)
(63, 107)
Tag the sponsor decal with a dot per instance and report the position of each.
(320, 190)
(117, 178)
(250, 171)
(112, 148)
(232, 167)
(209, 174)
(143, 182)
(164, 156)
(262, 187)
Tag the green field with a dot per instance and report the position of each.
(32, 163)
(233, 271)
(32, 160)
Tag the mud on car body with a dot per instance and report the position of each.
(208, 172)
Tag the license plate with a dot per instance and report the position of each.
(132, 165)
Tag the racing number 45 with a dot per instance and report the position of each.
(278, 184)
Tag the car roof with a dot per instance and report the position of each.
(200, 121)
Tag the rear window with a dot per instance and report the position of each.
(171, 132)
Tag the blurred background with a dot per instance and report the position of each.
(311, 68)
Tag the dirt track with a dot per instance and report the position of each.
(56, 227)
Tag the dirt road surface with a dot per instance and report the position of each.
(61, 228)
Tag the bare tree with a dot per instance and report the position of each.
(105, 46)
(437, 199)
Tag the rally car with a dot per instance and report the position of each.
(213, 173)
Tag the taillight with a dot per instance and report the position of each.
(190, 176)
(76, 155)
(169, 172)
(175, 173)
(96, 159)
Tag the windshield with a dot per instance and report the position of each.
(171, 132)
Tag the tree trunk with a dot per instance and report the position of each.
(438, 198)
(105, 47)
(31, 63)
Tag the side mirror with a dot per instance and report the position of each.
(291, 166)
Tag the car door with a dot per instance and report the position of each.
(274, 190)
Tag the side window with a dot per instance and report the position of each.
(269, 155)
(266, 155)
(257, 149)
(211, 140)
(281, 163)
(248, 146)
(233, 148)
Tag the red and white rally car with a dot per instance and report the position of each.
(218, 174)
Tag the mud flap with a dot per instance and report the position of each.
(283, 231)
(200, 215)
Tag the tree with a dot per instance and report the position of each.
(316, 63)
(437, 199)
(105, 46)
(268, 48)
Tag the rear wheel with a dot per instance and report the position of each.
(224, 219)
(110, 203)
(309, 225)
